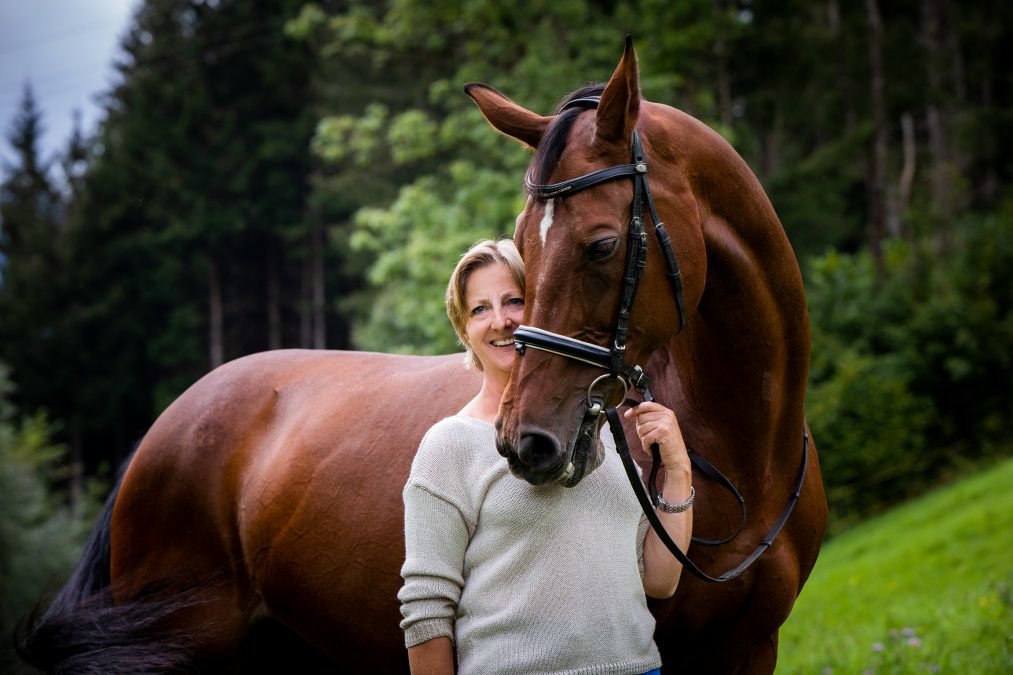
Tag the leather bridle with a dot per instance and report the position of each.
(612, 358)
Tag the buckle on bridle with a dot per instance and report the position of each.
(595, 404)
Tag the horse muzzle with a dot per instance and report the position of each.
(539, 458)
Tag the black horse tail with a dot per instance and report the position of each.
(83, 632)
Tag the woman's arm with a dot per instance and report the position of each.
(436, 536)
(658, 424)
(435, 657)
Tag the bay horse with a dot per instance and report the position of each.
(271, 488)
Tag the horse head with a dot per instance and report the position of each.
(576, 252)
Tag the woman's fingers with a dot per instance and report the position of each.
(657, 424)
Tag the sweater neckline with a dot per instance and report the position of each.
(469, 418)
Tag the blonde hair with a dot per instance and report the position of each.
(483, 253)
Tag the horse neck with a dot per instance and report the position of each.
(742, 362)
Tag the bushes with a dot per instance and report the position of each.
(872, 432)
(40, 535)
(912, 366)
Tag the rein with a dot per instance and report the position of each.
(612, 358)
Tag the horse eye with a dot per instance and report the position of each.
(601, 249)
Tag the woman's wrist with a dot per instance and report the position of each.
(677, 488)
(677, 507)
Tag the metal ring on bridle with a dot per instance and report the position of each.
(596, 407)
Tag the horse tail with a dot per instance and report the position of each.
(83, 631)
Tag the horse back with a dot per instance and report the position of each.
(276, 479)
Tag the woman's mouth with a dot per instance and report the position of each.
(508, 342)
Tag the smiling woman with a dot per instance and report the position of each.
(497, 567)
(466, 300)
(497, 304)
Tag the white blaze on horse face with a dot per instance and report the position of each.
(543, 228)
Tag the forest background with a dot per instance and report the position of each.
(278, 173)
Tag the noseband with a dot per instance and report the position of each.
(612, 358)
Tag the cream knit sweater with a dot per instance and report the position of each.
(523, 579)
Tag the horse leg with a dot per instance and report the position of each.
(761, 658)
(215, 599)
(272, 647)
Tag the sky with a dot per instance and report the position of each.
(65, 49)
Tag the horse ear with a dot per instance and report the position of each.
(506, 116)
(620, 102)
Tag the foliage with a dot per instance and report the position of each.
(40, 535)
(280, 173)
(911, 368)
(185, 240)
(927, 587)
(906, 349)
(32, 258)
(414, 244)
(462, 179)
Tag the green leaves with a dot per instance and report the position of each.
(416, 241)
(347, 136)
(910, 369)
(40, 534)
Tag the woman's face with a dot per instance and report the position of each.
(495, 304)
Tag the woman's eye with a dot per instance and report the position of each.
(516, 301)
(601, 249)
(478, 310)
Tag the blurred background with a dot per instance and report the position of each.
(272, 174)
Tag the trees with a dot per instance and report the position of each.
(448, 180)
(184, 244)
(34, 278)
(853, 115)
(281, 173)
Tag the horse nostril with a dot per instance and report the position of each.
(537, 451)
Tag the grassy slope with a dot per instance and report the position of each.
(924, 588)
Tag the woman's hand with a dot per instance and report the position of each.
(658, 424)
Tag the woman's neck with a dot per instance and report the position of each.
(485, 405)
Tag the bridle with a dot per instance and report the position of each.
(612, 359)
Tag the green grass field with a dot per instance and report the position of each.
(925, 588)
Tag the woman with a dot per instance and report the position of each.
(522, 578)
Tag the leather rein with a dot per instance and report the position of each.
(612, 359)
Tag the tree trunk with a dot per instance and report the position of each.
(76, 465)
(941, 174)
(273, 298)
(844, 76)
(877, 165)
(305, 316)
(721, 56)
(317, 281)
(907, 173)
(216, 351)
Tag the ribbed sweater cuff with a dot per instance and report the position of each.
(426, 630)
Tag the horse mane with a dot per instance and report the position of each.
(553, 142)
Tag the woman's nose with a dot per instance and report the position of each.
(502, 318)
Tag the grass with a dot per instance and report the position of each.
(925, 588)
